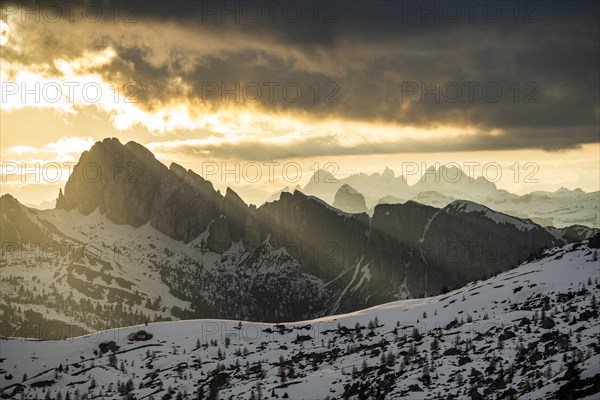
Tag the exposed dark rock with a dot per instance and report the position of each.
(463, 360)
(524, 321)
(236, 211)
(219, 238)
(548, 323)
(60, 200)
(594, 242)
(108, 346)
(576, 233)
(507, 334)
(452, 352)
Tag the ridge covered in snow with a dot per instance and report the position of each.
(498, 217)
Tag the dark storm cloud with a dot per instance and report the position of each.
(379, 56)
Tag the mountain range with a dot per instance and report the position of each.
(132, 240)
(440, 187)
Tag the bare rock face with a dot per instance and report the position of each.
(460, 245)
(120, 181)
(325, 241)
(404, 223)
(595, 241)
(388, 175)
(252, 234)
(184, 204)
(349, 200)
(130, 186)
(395, 247)
(60, 200)
(235, 210)
(577, 232)
(219, 238)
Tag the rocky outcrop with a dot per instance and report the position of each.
(130, 186)
(184, 204)
(388, 175)
(219, 238)
(349, 200)
(235, 211)
(324, 240)
(461, 243)
(120, 181)
(575, 233)
(395, 246)
(594, 242)
(60, 200)
(404, 223)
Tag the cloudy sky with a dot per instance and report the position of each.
(354, 85)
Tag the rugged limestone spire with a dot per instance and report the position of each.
(130, 186)
(60, 200)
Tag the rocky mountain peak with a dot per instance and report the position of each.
(232, 196)
(322, 181)
(60, 200)
(349, 200)
(178, 170)
(119, 180)
(388, 174)
(129, 185)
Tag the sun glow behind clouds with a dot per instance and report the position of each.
(75, 83)
(243, 128)
(66, 148)
(71, 86)
(70, 145)
(4, 33)
(64, 91)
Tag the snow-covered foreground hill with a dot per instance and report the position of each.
(531, 333)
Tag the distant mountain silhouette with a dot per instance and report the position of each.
(439, 187)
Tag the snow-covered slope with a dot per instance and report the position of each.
(530, 333)
(90, 274)
(497, 217)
